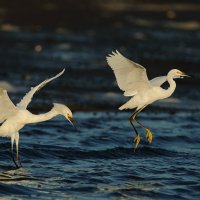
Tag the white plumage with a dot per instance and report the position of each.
(158, 81)
(15, 118)
(130, 76)
(28, 97)
(133, 81)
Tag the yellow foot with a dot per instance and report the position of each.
(149, 135)
(137, 141)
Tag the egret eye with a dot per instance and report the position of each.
(68, 115)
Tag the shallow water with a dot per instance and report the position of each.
(96, 159)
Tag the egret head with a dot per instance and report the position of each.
(175, 73)
(65, 111)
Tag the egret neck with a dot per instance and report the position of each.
(42, 117)
(172, 86)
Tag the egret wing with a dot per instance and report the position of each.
(158, 81)
(7, 108)
(131, 77)
(28, 97)
(7, 86)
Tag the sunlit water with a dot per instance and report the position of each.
(96, 159)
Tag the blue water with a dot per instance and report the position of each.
(96, 159)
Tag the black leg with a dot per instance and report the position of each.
(139, 123)
(130, 120)
(17, 149)
(137, 138)
(12, 156)
(148, 132)
(135, 115)
(19, 161)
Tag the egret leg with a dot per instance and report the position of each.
(148, 132)
(137, 138)
(17, 149)
(149, 135)
(11, 151)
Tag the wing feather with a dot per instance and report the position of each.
(158, 81)
(7, 108)
(28, 97)
(131, 77)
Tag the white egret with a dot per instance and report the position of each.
(14, 118)
(132, 79)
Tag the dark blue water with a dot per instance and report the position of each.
(96, 159)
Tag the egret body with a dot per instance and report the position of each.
(132, 79)
(14, 118)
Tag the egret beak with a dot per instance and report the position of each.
(71, 120)
(183, 74)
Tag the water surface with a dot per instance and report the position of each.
(96, 159)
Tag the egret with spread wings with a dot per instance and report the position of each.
(133, 81)
(14, 118)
